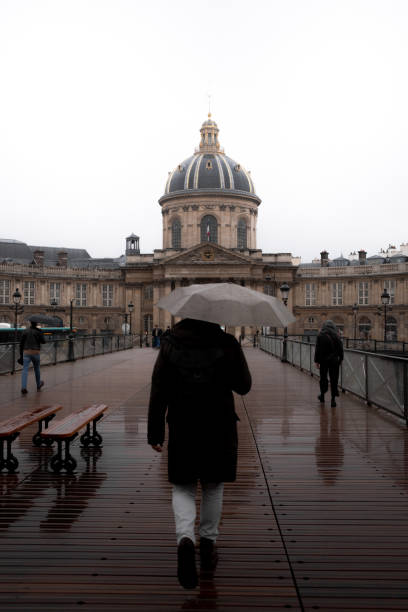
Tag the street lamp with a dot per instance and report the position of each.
(385, 299)
(18, 309)
(71, 308)
(355, 308)
(284, 290)
(130, 308)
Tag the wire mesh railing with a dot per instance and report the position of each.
(70, 349)
(381, 380)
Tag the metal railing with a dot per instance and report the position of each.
(57, 351)
(381, 380)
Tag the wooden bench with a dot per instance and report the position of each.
(11, 428)
(67, 430)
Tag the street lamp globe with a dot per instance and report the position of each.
(284, 289)
(385, 297)
(131, 307)
(17, 297)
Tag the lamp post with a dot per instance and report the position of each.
(284, 289)
(17, 310)
(355, 311)
(130, 308)
(385, 299)
(71, 308)
(71, 352)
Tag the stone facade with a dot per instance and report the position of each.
(209, 214)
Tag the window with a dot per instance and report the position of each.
(389, 285)
(176, 234)
(337, 294)
(209, 229)
(4, 291)
(55, 292)
(391, 333)
(269, 290)
(80, 297)
(29, 292)
(148, 323)
(363, 293)
(310, 294)
(242, 234)
(107, 295)
(148, 292)
(364, 327)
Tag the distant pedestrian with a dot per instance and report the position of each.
(195, 373)
(30, 346)
(328, 357)
(156, 335)
(167, 332)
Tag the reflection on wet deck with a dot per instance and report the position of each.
(316, 520)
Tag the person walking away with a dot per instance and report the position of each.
(158, 337)
(198, 367)
(30, 346)
(328, 357)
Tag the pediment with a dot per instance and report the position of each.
(207, 252)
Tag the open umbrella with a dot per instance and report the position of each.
(226, 303)
(45, 320)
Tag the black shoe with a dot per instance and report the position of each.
(186, 566)
(321, 398)
(333, 403)
(208, 555)
(40, 385)
(24, 391)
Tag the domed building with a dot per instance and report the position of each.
(209, 197)
(209, 213)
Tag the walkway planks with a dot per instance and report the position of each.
(316, 520)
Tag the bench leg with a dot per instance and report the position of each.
(9, 462)
(63, 460)
(38, 440)
(93, 437)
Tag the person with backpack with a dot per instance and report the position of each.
(30, 345)
(328, 357)
(196, 371)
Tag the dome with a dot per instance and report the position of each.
(210, 169)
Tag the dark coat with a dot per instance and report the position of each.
(196, 371)
(329, 349)
(31, 339)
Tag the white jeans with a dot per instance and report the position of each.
(184, 508)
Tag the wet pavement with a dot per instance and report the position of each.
(317, 520)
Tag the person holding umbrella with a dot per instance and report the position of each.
(328, 357)
(30, 346)
(196, 371)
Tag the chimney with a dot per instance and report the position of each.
(362, 257)
(39, 257)
(324, 259)
(62, 259)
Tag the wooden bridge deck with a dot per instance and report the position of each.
(318, 519)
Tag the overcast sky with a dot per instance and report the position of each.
(99, 99)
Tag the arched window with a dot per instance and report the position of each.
(176, 234)
(209, 229)
(242, 234)
(364, 327)
(391, 331)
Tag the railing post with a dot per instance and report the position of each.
(366, 379)
(406, 392)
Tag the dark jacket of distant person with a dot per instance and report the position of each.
(329, 347)
(198, 367)
(31, 339)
